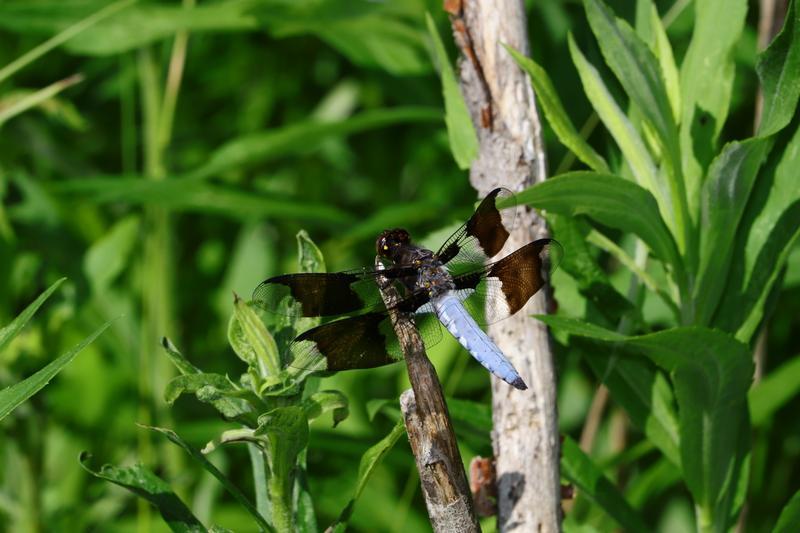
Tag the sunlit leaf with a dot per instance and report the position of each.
(790, 516)
(774, 391)
(460, 130)
(547, 97)
(324, 401)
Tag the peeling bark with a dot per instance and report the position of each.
(501, 101)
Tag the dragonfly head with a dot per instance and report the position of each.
(390, 243)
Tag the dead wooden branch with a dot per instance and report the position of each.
(430, 433)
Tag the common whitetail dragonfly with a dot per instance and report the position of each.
(455, 286)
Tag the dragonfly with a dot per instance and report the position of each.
(458, 286)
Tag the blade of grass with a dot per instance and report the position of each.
(11, 397)
(62, 37)
(232, 489)
(36, 98)
(10, 331)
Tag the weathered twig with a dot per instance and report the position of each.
(430, 433)
(511, 154)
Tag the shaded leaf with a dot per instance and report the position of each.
(547, 98)
(232, 489)
(324, 401)
(711, 373)
(370, 34)
(145, 484)
(778, 69)
(790, 516)
(581, 471)
(304, 137)
(191, 195)
(369, 461)
(460, 130)
(725, 195)
(774, 391)
(11, 397)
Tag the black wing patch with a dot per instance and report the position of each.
(363, 341)
(320, 294)
(498, 290)
(483, 235)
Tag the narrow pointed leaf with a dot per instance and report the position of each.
(711, 373)
(10, 331)
(11, 397)
(778, 69)
(547, 98)
(463, 139)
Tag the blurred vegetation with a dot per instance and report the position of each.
(164, 155)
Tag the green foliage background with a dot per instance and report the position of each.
(327, 116)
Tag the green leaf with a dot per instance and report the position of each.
(769, 229)
(145, 484)
(126, 29)
(27, 20)
(304, 137)
(644, 393)
(652, 31)
(711, 373)
(7, 333)
(579, 263)
(252, 342)
(706, 83)
(309, 256)
(557, 116)
(192, 380)
(109, 255)
(778, 68)
(369, 461)
(460, 130)
(725, 196)
(232, 489)
(790, 516)
(774, 391)
(11, 397)
(193, 195)
(638, 71)
(324, 401)
(606, 199)
(615, 120)
(370, 34)
(581, 471)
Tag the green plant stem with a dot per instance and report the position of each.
(62, 37)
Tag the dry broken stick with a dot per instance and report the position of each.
(503, 109)
(430, 433)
